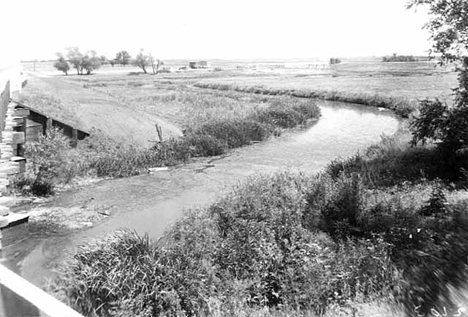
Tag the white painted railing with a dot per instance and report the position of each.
(44, 302)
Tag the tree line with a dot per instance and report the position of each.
(86, 63)
(399, 58)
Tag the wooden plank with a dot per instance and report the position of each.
(25, 131)
(21, 112)
(48, 124)
(36, 296)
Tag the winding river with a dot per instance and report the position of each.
(149, 203)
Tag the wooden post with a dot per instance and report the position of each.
(75, 137)
(48, 125)
(159, 131)
(25, 130)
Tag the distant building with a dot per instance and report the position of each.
(199, 64)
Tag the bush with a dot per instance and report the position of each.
(205, 145)
(390, 163)
(30, 186)
(234, 133)
(448, 127)
(49, 160)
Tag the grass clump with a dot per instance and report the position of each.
(228, 133)
(391, 162)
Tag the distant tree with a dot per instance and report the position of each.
(142, 60)
(155, 63)
(62, 64)
(91, 62)
(83, 62)
(399, 58)
(123, 58)
(103, 59)
(334, 61)
(112, 62)
(75, 57)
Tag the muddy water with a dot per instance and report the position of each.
(150, 203)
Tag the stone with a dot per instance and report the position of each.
(4, 211)
(18, 137)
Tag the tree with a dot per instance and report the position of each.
(448, 25)
(112, 62)
(91, 62)
(447, 125)
(76, 58)
(155, 63)
(83, 62)
(103, 59)
(62, 64)
(142, 60)
(123, 58)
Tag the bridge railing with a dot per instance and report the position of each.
(18, 297)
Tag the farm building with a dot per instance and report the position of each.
(199, 64)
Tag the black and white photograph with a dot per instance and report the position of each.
(302, 158)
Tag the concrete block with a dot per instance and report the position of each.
(8, 201)
(16, 229)
(4, 211)
(18, 137)
(20, 163)
(21, 112)
(3, 222)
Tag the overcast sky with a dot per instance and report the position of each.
(214, 28)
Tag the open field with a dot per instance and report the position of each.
(404, 81)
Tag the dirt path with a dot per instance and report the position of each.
(90, 109)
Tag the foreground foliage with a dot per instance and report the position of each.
(288, 242)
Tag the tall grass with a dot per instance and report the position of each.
(249, 249)
(283, 243)
(401, 107)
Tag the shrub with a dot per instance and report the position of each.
(390, 163)
(31, 186)
(234, 133)
(49, 160)
(205, 145)
(448, 127)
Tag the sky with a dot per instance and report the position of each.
(206, 29)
